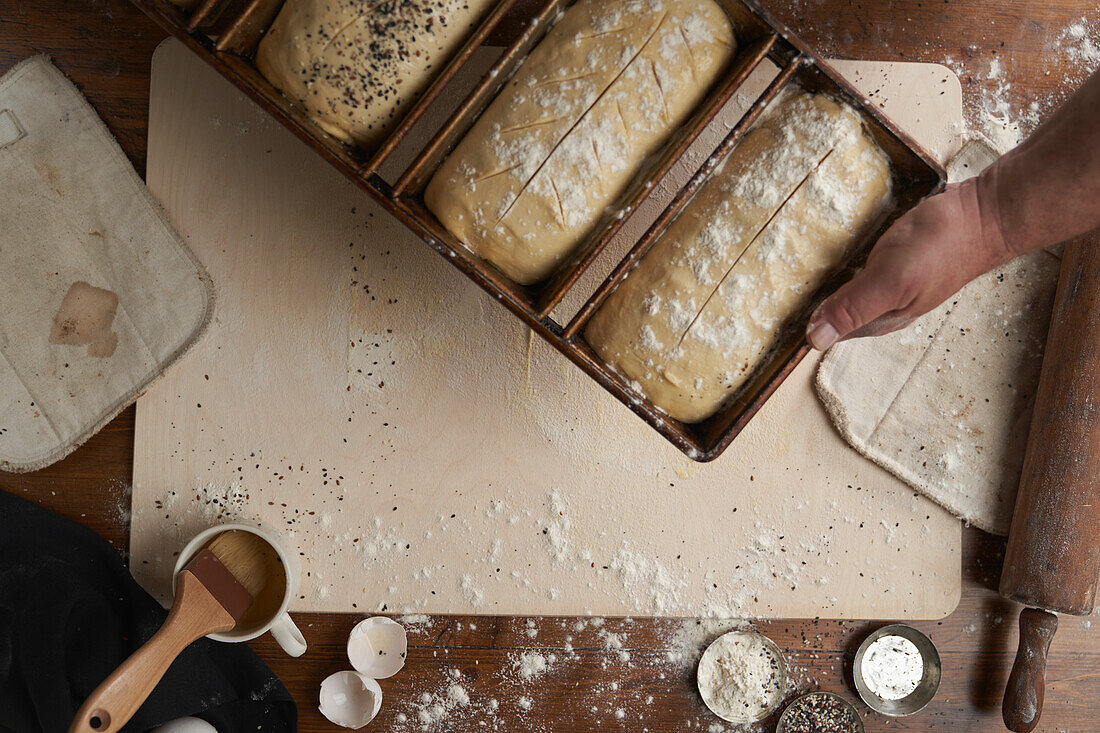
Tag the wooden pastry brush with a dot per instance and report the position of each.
(213, 591)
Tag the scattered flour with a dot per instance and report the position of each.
(614, 643)
(530, 665)
(415, 621)
(471, 591)
(457, 694)
(557, 527)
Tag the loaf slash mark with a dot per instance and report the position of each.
(608, 32)
(557, 196)
(563, 79)
(661, 91)
(85, 319)
(583, 115)
(342, 29)
(622, 117)
(596, 152)
(494, 174)
(687, 47)
(748, 246)
(530, 125)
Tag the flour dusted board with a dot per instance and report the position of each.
(426, 454)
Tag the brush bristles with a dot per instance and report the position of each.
(248, 557)
(218, 581)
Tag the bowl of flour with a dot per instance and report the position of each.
(742, 677)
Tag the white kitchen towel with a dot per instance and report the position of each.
(945, 404)
(98, 294)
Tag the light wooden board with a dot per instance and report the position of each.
(427, 455)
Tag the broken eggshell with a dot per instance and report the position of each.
(350, 699)
(377, 646)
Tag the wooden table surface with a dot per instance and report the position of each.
(105, 47)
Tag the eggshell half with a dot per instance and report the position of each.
(350, 699)
(377, 646)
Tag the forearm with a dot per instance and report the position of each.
(1048, 189)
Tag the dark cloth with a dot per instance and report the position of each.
(70, 614)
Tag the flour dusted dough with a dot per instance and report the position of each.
(357, 65)
(706, 303)
(605, 88)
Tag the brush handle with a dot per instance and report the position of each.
(195, 613)
(1024, 693)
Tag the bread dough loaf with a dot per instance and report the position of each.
(702, 309)
(604, 89)
(356, 66)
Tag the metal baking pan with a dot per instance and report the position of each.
(225, 33)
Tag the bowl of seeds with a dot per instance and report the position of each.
(820, 712)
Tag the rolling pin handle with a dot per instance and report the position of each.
(1023, 701)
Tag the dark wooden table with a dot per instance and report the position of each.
(105, 47)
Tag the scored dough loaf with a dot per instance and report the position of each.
(702, 309)
(356, 66)
(604, 89)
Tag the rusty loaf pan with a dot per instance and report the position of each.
(225, 33)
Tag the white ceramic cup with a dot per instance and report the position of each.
(281, 626)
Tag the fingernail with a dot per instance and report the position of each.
(822, 335)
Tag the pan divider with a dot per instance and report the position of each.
(485, 27)
(246, 26)
(581, 318)
(213, 17)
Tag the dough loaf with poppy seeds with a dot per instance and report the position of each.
(357, 66)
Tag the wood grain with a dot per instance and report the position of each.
(105, 46)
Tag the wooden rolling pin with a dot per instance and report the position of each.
(1053, 559)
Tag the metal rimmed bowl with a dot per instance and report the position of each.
(781, 727)
(929, 683)
(781, 674)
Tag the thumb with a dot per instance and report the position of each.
(860, 302)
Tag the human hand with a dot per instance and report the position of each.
(923, 259)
